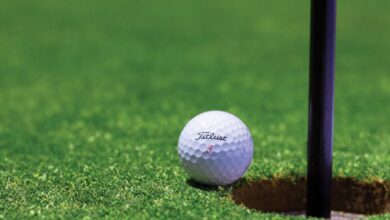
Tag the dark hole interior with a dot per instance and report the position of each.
(288, 196)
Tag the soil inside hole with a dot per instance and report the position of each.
(287, 196)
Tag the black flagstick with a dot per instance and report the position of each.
(321, 101)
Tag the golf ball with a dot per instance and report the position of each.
(215, 148)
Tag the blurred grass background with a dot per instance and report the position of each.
(94, 94)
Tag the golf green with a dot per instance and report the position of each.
(94, 94)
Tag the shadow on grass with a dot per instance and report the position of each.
(201, 186)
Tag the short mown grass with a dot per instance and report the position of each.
(94, 94)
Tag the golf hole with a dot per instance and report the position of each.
(288, 196)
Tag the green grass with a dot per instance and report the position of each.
(93, 97)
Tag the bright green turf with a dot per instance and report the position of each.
(93, 97)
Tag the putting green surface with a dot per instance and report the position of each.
(94, 94)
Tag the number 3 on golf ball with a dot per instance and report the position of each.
(215, 148)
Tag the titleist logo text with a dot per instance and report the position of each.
(210, 136)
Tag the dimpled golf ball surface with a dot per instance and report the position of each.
(215, 148)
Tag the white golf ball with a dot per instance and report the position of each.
(215, 148)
